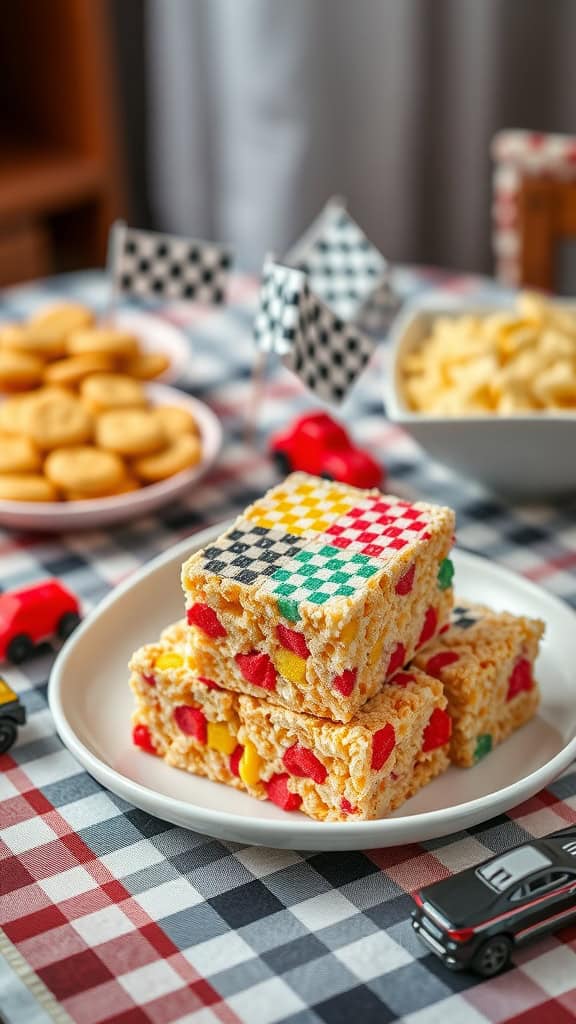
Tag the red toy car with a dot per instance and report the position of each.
(34, 614)
(317, 444)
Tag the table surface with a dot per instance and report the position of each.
(109, 914)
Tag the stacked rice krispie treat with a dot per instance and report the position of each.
(318, 593)
(318, 665)
(393, 746)
(485, 661)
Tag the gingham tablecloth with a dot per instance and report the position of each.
(109, 914)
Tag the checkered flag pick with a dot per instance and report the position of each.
(151, 265)
(345, 269)
(326, 353)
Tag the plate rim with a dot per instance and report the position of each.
(72, 513)
(507, 797)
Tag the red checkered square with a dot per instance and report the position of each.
(375, 527)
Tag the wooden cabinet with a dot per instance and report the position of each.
(60, 174)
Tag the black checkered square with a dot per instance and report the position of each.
(345, 269)
(463, 617)
(278, 317)
(249, 553)
(327, 354)
(147, 264)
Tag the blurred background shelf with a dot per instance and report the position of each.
(59, 192)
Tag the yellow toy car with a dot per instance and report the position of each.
(12, 714)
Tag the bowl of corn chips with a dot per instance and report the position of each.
(491, 391)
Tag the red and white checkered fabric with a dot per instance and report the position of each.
(110, 916)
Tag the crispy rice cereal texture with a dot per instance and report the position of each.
(485, 661)
(331, 771)
(317, 593)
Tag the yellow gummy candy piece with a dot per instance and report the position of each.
(349, 632)
(291, 666)
(219, 737)
(249, 765)
(169, 660)
(376, 652)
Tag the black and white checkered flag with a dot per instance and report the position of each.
(345, 269)
(152, 265)
(319, 347)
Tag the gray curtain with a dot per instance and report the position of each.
(260, 109)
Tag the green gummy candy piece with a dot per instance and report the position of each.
(289, 609)
(483, 746)
(445, 574)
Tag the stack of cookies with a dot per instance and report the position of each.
(77, 423)
(322, 664)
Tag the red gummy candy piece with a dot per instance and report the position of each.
(149, 679)
(347, 807)
(141, 738)
(192, 721)
(346, 682)
(445, 627)
(438, 731)
(203, 616)
(235, 760)
(302, 762)
(439, 661)
(383, 743)
(406, 582)
(209, 683)
(402, 679)
(257, 669)
(292, 641)
(279, 794)
(397, 659)
(520, 678)
(429, 627)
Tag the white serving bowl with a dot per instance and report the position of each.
(523, 456)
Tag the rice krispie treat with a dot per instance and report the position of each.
(392, 747)
(317, 593)
(485, 661)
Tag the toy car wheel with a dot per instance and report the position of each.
(67, 624)
(492, 957)
(282, 462)
(8, 734)
(327, 476)
(19, 648)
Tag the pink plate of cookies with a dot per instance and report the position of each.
(323, 673)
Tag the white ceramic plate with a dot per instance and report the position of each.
(156, 335)
(91, 704)
(97, 512)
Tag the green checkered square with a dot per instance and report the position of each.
(319, 573)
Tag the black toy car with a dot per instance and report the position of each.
(12, 714)
(474, 919)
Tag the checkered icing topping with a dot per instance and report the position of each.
(250, 553)
(464, 616)
(320, 572)
(377, 525)
(302, 506)
(310, 540)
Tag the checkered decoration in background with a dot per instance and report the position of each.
(111, 916)
(150, 265)
(345, 269)
(327, 354)
(279, 313)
